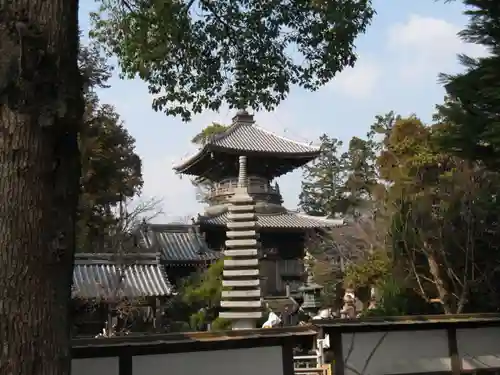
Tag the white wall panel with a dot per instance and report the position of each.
(251, 361)
(479, 347)
(95, 366)
(396, 352)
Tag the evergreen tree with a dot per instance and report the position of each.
(472, 107)
(323, 187)
(361, 179)
(198, 301)
(111, 170)
(443, 215)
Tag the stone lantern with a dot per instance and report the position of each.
(311, 291)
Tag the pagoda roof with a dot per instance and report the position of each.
(282, 220)
(243, 137)
(177, 243)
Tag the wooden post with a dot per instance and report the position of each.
(158, 319)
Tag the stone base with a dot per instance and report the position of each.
(240, 315)
(243, 324)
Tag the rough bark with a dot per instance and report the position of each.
(40, 112)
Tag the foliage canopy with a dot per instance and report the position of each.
(111, 170)
(208, 132)
(201, 295)
(435, 221)
(471, 109)
(197, 55)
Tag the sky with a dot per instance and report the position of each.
(399, 58)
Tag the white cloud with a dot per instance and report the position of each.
(426, 46)
(358, 82)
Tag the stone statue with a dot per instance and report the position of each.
(349, 309)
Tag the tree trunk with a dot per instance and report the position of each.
(40, 111)
(443, 293)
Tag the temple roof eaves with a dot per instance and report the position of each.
(247, 138)
(283, 220)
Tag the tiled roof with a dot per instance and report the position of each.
(280, 220)
(250, 137)
(244, 136)
(99, 276)
(177, 243)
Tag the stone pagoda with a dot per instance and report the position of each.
(241, 300)
(245, 215)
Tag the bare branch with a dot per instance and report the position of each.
(124, 254)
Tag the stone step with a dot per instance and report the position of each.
(238, 208)
(249, 242)
(241, 233)
(241, 263)
(241, 293)
(241, 273)
(241, 253)
(241, 315)
(242, 225)
(240, 283)
(249, 216)
(240, 198)
(241, 304)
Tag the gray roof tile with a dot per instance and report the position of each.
(281, 220)
(250, 137)
(98, 276)
(178, 243)
(243, 136)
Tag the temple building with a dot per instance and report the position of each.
(263, 242)
(281, 233)
(119, 292)
(182, 248)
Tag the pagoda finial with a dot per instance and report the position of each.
(243, 117)
(242, 176)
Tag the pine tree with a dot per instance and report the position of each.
(472, 107)
(323, 191)
(359, 163)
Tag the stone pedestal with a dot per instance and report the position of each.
(243, 324)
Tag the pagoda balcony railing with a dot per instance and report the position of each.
(255, 185)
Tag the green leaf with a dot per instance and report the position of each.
(197, 55)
